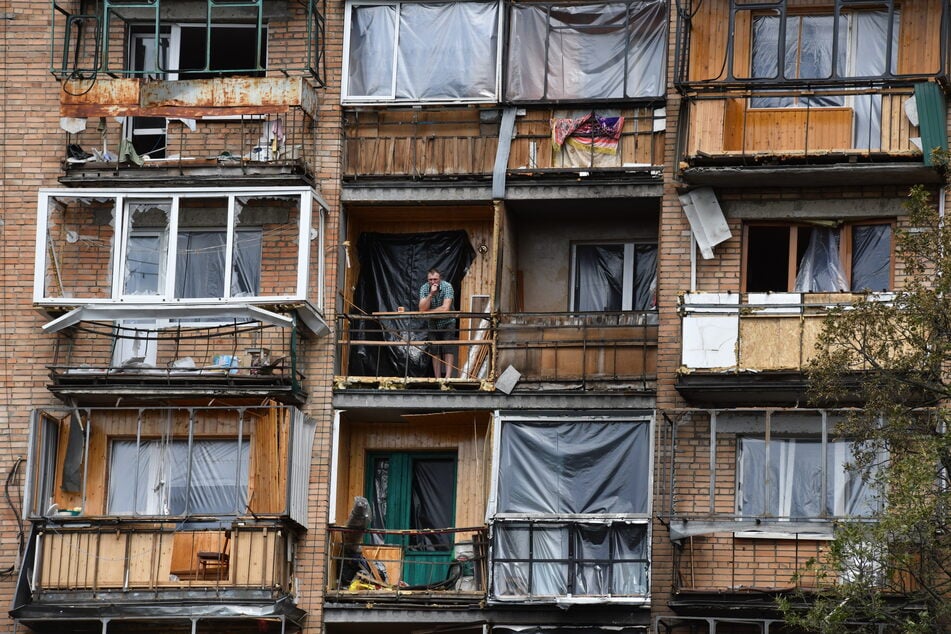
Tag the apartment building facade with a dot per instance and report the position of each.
(222, 407)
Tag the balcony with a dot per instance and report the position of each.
(751, 348)
(133, 508)
(183, 254)
(464, 143)
(398, 566)
(88, 574)
(96, 362)
(785, 93)
(584, 350)
(200, 90)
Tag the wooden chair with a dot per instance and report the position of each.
(215, 561)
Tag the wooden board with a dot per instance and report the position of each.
(770, 342)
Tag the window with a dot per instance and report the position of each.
(860, 39)
(786, 478)
(821, 257)
(612, 50)
(572, 510)
(201, 248)
(415, 52)
(614, 277)
(155, 477)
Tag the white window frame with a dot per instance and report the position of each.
(307, 200)
(347, 99)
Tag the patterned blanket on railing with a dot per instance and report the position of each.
(590, 132)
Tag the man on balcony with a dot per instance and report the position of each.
(436, 295)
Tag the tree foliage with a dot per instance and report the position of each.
(892, 354)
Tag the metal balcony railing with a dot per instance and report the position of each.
(442, 564)
(249, 355)
(592, 348)
(400, 346)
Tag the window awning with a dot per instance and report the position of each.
(306, 314)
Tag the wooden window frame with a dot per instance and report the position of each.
(845, 250)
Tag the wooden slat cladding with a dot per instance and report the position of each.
(147, 557)
(266, 430)
(467, 434)
(919, 37)
(463, 142)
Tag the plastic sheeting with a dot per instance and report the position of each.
(871, 257)
(600, 277)
(820, 269)
(557, 559)
(574, 467)
(785, 480)
(611, 50)
(156, 478)
(392, 268)
(462, 36)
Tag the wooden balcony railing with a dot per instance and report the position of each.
(430, 143)
(588, 347)
(84, 556)
(441, 564)
(738, 124)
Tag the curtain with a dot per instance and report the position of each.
(599, 277)
(152, 479)
(820, 269)
(786, 479)
(200, 268)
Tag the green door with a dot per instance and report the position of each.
(415, 491)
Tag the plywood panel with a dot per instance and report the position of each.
(770, 343)
(268, 469)
(707, 126)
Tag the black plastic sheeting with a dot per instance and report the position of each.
(392, 268)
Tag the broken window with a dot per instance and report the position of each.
(413, 52)
(607, 50)
(195, 245)
(614, 277)
(158, 477)
(819, 257)
(571, 514)
(184, 51)
(788, 478)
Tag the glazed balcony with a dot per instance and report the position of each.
(438, 566)
(791, 85)
(432, 143)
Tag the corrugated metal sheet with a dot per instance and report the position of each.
(298, 481)
(932, 121)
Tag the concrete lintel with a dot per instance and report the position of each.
(411, 400)
(841, 175)
(474, 192)
(814, 208)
